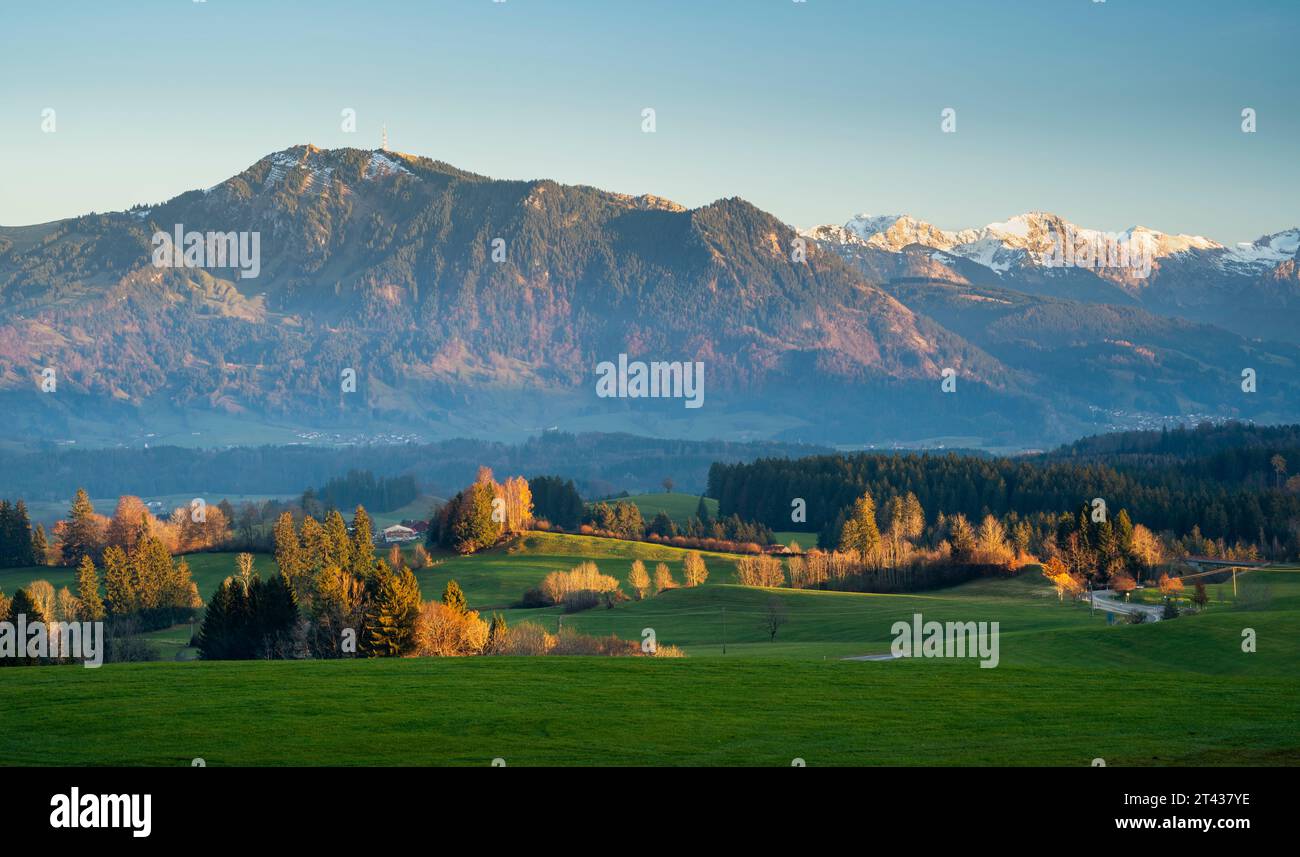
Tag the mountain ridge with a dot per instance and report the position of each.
(471, 304)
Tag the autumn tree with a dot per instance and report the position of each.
(289, 554)
(130, 521)
(1170, 586)
(860, 532)
(992, 539)
(663, 578)
(639, 580)
(1145, 549)
(961, 536)
(517, 502)
(1123, 584)
(760, 570)
(694, 569)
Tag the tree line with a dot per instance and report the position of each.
(1168, 497)
(20, 544)
(361, 488)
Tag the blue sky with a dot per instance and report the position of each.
(1109, 114)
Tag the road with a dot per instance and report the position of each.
(1111, 602)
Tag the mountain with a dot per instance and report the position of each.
(468, 306)
(1249, 288)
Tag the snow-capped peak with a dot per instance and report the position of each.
(1032, 237)
(1264, 253)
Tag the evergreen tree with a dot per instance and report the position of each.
(453, 597)
(1124, 533)
(151, 571)
(219, 633)
(702, 511)
(80, 536)
(92, 608)
(663, 526)
(338, 544)
(289, 551)
(315, 554)
(118, 586)
(22, 604)
(497, 633)
(272, 615)
(40, 545)
(22, 547)
(470, 523)
(363, 544)
(556, 500)
(8, 536)
(393, 604)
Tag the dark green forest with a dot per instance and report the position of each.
(1230, 481)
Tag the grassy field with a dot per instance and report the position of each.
(807, 541)
(416, 510)
(679, 507)
(1069, 686)
(697, 711)
(497, 578)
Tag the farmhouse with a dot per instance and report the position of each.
(399, 533)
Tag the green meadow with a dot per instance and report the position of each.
(679, 507)
(1069, 687)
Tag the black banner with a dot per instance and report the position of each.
(142, 808)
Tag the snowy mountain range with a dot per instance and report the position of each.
(469, 306)
(1251, 288)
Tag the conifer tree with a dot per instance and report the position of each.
(92, 607)
(314, 556)
(22, 545)
(393, 604)
(288, 551)
(40, 545)
(497, 632)
(23, 605)
(363, 544)
(80, 536)
(118, 586)
(8, 536)
(453, 597)
(338, 544)
(219, 631)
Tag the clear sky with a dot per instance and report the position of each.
(1109, 113)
